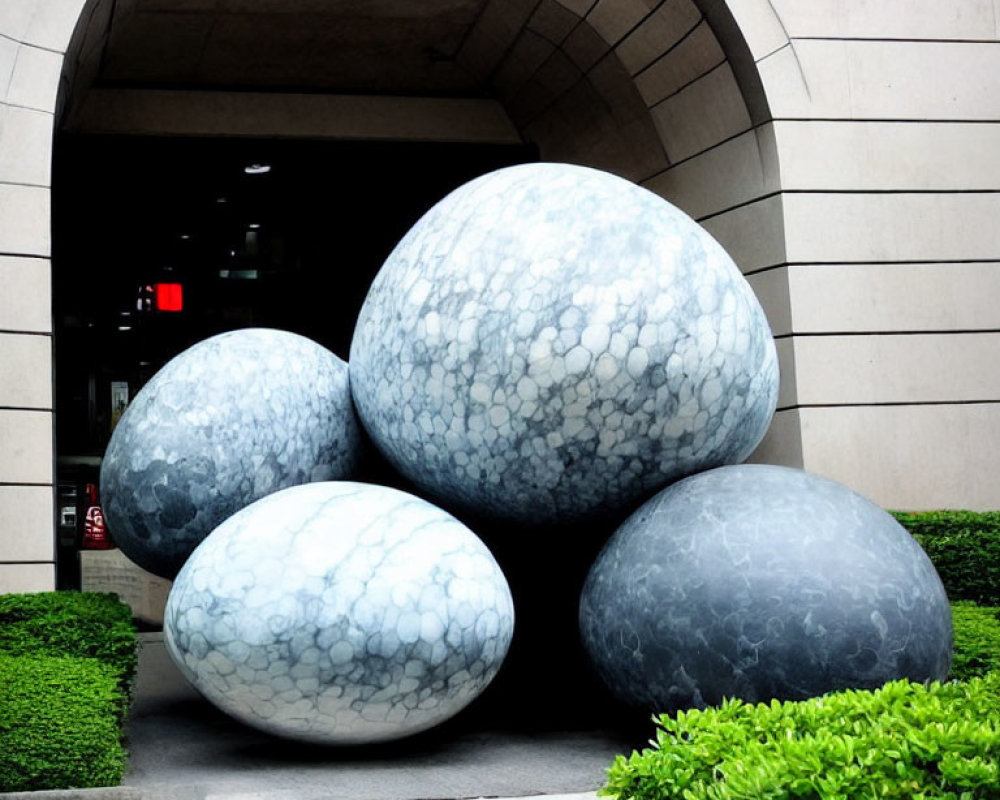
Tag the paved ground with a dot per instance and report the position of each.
(183, 749)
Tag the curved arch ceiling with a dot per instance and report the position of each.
(636, 87)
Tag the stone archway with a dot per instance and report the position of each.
(665, 94)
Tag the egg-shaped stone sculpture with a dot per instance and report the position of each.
(550, 342)
(340, 613)
(231, 419)
(761, 582)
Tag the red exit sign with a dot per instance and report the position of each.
(168, 296)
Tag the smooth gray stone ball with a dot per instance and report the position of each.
(229, 420)
(761, 582)
(340, 613)
(550, 341)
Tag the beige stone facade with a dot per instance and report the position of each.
(846, 152)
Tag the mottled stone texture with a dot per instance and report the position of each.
(550, 342)
(761, 582)
(340, 613)
(229, 420)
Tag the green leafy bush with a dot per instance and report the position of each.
(58, 725)
(67, 662)
(964, 546)
(904, 740)
(977, 639)
(75, 624)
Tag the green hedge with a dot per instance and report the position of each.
(964, 546)
(977, 639)
(67, 662)
(59, 724)
(74, 624)
(904, 740)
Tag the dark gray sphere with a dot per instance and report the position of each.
(761, 582)
(228, 421)
(551, 342)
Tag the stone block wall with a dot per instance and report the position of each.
(844, 151)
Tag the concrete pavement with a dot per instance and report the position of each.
(182, 748)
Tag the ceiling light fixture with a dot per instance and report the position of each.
(257, 169)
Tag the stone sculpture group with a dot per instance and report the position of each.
(549, 343)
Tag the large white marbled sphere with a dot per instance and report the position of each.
(340, 613)
(231, 419)
(551, 341)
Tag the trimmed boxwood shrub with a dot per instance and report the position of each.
(67, 662)
(977, 639)
(904, 740)
(964, 546)
(75, 624)
(59, 723)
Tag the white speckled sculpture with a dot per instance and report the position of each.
(761, 582)
(550, 341)
(229, 420)
(340, 613)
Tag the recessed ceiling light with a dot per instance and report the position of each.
(253, 226)
(257, 169)
(185, 235)
(124, 327)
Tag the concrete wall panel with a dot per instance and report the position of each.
(8, 58)
(24, 220)
(856, 298)
(27, 523)
(962, 20)
(25, 146)
(34, 81)
(903, 368)
(26, 446)
(17, 578)
(696, 54)
(884, 156)
(701, 115)
(26, 299)
(908, 457)
(751, 234)
(585, 47)
(729, 175)
(579, 7)
(528, 53)
(885, 80)
(614, 19)
(771, 288)
(308, 115)
(657, 34)
(493, 34)
(26, 364)
(892, 227)
(782, 443)
(555, 77)
(788, 386)
(552, 21)
(757, 22)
